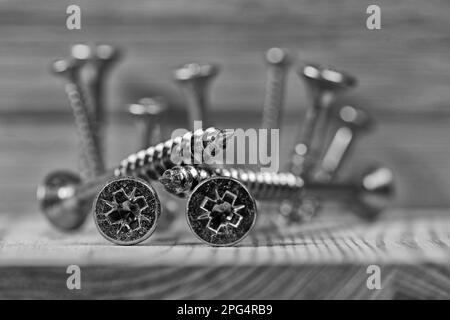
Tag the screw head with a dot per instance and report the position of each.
(356, 118)
(327, 78)
(376, 191)
(221, 211)
(67, 67)
(126, 211)
(192, 71)
(278, 56)
(56, 201)
(107, 53)
(148, 107)
(81, 52)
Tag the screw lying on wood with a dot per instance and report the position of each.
(181, 180)
(127, 210)
(221, 211)
(371, 190)
(66, 201)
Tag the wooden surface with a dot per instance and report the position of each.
(404, 76)
(325, 259)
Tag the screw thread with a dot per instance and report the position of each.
(90, 150)
(181, 180)
(274, 96)
(152, 162)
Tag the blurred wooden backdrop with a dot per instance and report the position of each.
(403, 71)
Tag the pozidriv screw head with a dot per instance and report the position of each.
(126, 211)
(221, 211)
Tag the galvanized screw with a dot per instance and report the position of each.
(372, 189)
(323, 84)
(221, 211)
(70, 70)
(278, 63)
(147, 113)
(66, 201)
(127, 210)
(353, 122)
(181, 180)
(104, 58)
(194, 80)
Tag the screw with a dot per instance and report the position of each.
(194, 80)
(368, 194)
(147, 113)
(353, 121)
(70, 70)
(371, 190)
(127, 210)
(278, 63)
(221, 211)
(323, 84)
(104, 58)
(66, 201)
(181, 180)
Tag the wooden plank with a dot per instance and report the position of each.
(326, 259)
(159, 35)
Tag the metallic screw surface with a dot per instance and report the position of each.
(181, 180)
(194, 80)
(64, 199)
(126, 211)
(323, 84)
(147, 113)
(278, 63)
(221, 211)
(370, 191)
(105, 57)
(353, 122)
(70, 70)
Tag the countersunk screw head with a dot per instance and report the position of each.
(67, 67)
(327, 78)
(108, 53)
(126, 211)
(55, 196)
(148, 107)
(221, 211)
(194, 70)
(376, 189)
(278, 56)
(356, 118)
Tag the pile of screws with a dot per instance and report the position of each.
(221, 208)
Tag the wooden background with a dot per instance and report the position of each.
(403, 70)
(404, 81)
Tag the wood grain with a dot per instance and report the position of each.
(404, 75)
(326, 259)
(402, 67)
